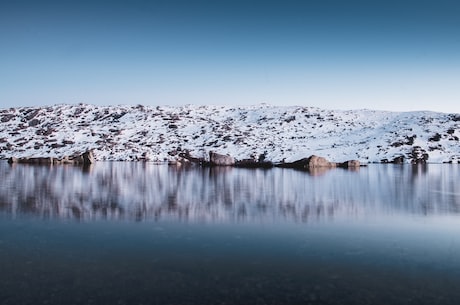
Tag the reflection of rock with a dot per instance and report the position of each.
(84, 159)
(318, 171)
(221, 160)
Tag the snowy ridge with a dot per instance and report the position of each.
(129, 133)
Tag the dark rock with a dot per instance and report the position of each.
(435, 138)
(410, 139)
(290, 119)
(173, 152)
(350, 164)
(88, 157)
(48, 131)
(34, 122)
(30, 114)
(396, 160)
(194, 160)
(7, 117)
(12, 160)
(37, 161)
(56, 145)
(418, 155)
(263, 157)
(117, 116)
(251, 163)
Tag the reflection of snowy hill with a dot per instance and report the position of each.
(121, 190)
(160, 133)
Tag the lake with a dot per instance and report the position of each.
(142, 233)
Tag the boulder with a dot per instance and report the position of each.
(88, 157)
(316, 161)
(350, 164)
(309, 163)
(396, 160)
(185, 156)
(12, 160)
(221, 160)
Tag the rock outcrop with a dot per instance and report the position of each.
(81, 159)
(418, 155)
(396, 160)
(315, 163)
(251, 163)
(350, 164)
(308, 163)
(220, 160)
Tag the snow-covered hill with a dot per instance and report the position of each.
(284, 133)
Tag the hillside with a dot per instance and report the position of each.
(131, 133)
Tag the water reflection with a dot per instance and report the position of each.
(140, 191)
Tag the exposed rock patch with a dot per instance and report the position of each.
(221, 160)
(86, 158)
(308, 163)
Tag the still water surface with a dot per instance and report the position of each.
(140, 233)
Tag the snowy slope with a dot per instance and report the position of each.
(284, 133)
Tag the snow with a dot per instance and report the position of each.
(128, 133)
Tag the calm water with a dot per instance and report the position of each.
(137, 233)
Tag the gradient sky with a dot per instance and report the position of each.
(392, 55)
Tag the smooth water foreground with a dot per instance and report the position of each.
(140, 233)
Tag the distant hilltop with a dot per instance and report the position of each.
(135, 133)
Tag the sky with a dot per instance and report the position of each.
(334, 54)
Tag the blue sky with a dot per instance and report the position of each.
(393, 55)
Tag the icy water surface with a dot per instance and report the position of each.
(137, 233)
